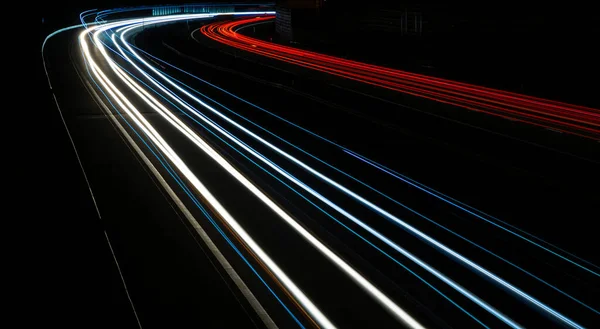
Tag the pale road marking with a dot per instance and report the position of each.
(98, 212)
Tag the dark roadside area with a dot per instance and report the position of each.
(83, 281)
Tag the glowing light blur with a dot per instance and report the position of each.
(573, 119)
(569, 118)
(355, 196)
(158, 140)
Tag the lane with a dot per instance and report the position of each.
(301, 199)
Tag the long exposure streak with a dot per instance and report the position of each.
(150, 102)
(578, 120)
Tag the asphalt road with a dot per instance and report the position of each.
(535, 179)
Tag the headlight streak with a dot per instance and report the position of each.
(84, 14)
(122, 54)
(148, 129)
(477, 213)
(421, 187)
(266, 269)
(263, 281)
(408, 227)
(173, 173)
(378, 295)
(48, 38)
(430, 269)
(158, 142)
(322, 210)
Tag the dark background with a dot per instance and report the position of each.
(547, 51)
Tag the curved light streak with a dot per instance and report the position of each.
(562, 117)
(167, 115)
(157, 139)
(367, 203)
(523, 235)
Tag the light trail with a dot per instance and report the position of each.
(158, 140)
(358, 235)
(376, 191)
(577, 120)
(350, 193)
(519, 233)
(269, 163)
(565, 115)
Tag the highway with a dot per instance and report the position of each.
(247, 184)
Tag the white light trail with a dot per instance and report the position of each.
(355, 196)
(156, 138)
(263, 159)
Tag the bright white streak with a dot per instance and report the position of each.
(378, 295)
(380, 236)
(156, 105)
(142, 123)
(357, 197)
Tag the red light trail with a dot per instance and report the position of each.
(558, 116)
